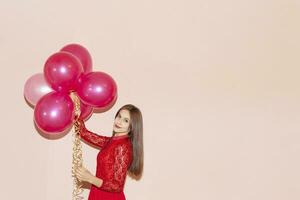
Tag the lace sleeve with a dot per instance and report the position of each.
(93, 138)
(121, 164)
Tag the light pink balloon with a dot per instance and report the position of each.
(36, 87)
(54, 112)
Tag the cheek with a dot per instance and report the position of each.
(127, 126)
(124, 124)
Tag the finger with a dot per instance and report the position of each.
(77, 168)
(83, 169)
(76, 172)
(79, 176)
(81, 179)
(79, 173)
(80, 170)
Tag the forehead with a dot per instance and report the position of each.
(124, 113)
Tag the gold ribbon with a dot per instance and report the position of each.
(77, 150)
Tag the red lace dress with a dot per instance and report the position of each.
(113, 161)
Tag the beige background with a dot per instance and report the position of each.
(217, 82)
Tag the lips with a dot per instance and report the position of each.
(117, 126)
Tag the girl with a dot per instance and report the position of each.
(119, 154)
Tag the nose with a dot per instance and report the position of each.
(118, 124)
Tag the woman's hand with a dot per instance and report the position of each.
(80, 124)
(83, 174)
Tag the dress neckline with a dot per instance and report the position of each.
(120, 137)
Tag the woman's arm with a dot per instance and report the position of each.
(85, 175)
(90, 137)
(117, 176)
(96, 181)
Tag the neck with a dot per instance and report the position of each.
(120, 134)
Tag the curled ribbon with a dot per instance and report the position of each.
(77, 150)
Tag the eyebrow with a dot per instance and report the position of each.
(121, 116)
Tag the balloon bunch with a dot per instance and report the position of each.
(69, 90)
(67, 72)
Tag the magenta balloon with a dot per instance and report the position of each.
(85, 111)
(82, 54)
(36, 87)
(106, 108)
(54, 112)
(97, 89)
(62, 70)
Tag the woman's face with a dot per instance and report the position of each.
(122, 122)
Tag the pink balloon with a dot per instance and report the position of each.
(97, 89)
(82, 54)
(106, 108)
(36, 87)
(54, 112)
(62, 70)
(85, 111)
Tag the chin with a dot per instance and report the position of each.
(116, 130)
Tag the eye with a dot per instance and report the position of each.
(126, 121)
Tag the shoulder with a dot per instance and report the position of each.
(123, 145)
(123, 148)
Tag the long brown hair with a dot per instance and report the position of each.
(136, 137)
